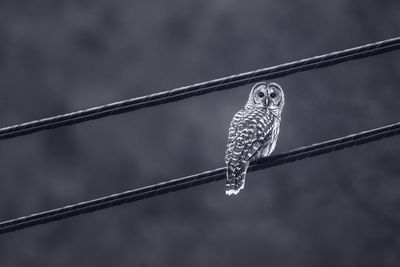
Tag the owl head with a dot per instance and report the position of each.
(267, 95)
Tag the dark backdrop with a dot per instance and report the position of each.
(340, 209)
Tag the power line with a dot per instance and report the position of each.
(201, 88)
(197, 179)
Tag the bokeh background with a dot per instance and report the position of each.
(340, 209)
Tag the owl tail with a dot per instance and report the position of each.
(235, 178)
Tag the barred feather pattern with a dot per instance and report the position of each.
(252, 134)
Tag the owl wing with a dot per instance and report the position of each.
(248, 133)
(233, 134)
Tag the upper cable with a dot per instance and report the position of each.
(201, 88)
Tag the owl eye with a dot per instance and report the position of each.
(272, 95)
(261, 94)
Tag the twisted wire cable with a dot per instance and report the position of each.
(201, 88)
(197, 179)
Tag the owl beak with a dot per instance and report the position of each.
(267, 101)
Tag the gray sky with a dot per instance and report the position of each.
(339, 209)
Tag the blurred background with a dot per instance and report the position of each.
(340, 209)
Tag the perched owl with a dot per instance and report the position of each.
(253, 132)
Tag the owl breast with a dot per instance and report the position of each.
(270, 141)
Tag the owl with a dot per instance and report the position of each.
(253, 132)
